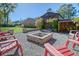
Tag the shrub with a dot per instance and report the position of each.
(29, 26)
(76, 19)
(54, 24)
(39, 23)
(9, 25)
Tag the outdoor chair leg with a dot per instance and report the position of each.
(46, 52)
(14, 37)
(74, 45)
(21, 50)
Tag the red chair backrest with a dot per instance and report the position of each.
(72, 41)
(77, 34)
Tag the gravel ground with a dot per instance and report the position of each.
(32, 49)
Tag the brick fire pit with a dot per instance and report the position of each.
(39, 37)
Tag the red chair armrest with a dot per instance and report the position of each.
(8, 41)
(74, 41)
(51, 50)
(6, 36)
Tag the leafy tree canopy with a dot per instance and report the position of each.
(68, 11)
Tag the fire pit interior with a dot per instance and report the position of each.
(39, 37)
(40, 34)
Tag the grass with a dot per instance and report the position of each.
(16, 29)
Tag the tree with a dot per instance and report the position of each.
(7, 8)
(67, 11)
(1, 17)
(49, 10)
(78, 7)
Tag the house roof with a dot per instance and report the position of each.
(50, 14)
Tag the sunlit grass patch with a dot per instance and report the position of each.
(16, 29)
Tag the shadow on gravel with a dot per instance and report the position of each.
(52, 41)
(15, 53)
(76, 50)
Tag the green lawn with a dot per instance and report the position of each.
(16, 29)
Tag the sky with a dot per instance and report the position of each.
(33, 10)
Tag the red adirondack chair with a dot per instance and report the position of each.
(4, 33)
(61, 50)
(5, 36)
(8, 45)
(74, 34)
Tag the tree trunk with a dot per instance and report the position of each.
(7, 20)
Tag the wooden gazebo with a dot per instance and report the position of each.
(66, 25)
